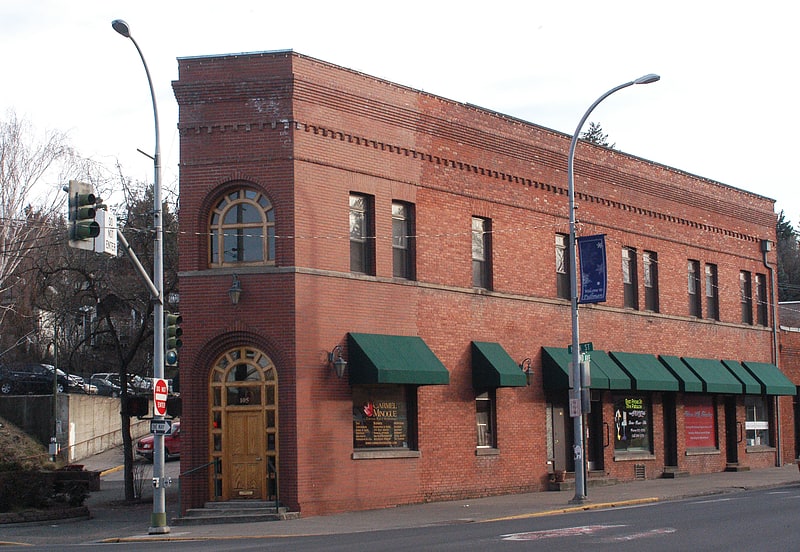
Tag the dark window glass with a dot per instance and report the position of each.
(746, 296)
(694, 289)
(481, 253)
(562, 266)
(630, 282)
(712, 292)
(761, 300)
(650, 275)
(485, 419)
(403, 240)
(362, 242)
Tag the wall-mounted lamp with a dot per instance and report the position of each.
(525, 366)
(338, 363)
(235, 291)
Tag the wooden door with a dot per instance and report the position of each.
(245, 454)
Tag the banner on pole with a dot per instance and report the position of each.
(592, 254)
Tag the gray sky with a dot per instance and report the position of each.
(725, 107)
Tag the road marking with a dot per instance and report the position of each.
(642, 535)
(712, 501)
(558, 533)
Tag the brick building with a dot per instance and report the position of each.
(423, 241)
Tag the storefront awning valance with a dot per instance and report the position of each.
(715, 376)
(751, 385)
(378, 358)
(688, 380)
(605, 373)
(493, 367)
(646, 372)
(774, 381)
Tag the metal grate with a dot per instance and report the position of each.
(638, 471)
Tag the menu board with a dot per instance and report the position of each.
(380, 418)
(631, 423)
(699, 421)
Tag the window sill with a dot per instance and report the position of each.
(759, 448)
(633, 456)
(487, 451)
(383, 454)
(702, 451)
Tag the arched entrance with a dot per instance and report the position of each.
(244, 426)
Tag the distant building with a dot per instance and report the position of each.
(425, 241)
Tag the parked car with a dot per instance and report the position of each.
(136, 384)
(105, 386)
(172, 444)
(31, 378)
(76, 383)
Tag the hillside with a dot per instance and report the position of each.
(17, 447)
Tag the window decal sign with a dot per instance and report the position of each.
(592, 254)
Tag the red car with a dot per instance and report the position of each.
(172, 444)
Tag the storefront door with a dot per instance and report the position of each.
(245, 457)
(732, 431)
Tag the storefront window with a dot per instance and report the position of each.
(756, 423)
(632, 428)
(382, 417)
(700, 422)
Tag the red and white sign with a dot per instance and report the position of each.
(160, 390)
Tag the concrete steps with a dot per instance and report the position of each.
(235, 511)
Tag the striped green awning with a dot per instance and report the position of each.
(605, 373)
(378, 358)
(493, 367)
(646, 372)
(751, 386)
(688, 380)
(715, 376)
(774, 381)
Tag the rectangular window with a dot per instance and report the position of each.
(384, 417)
(700, 422)
(485, 419)
(712, 292)
(562, 266)
(756, 424)
(694, 289)
(650, 275)
(746, 296)
(632, 428)
(362, 234)
(630, 282)
(403, 240)
(481, 253)
(761, 300)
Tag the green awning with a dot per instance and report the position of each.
(605, 373)
(751, 385)
(688, 380)
(715, 377)
(646, 372)
(493, 367)
(377, 358)
(774, 381)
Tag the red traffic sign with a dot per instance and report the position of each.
(160, 391)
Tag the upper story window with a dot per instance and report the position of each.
(242, 229)
(695, 302)
(562, 266)
(629, 278)
(650, 275)
(712, 292)
(746, 296)
(403, 240)
(481, 253)
(362, 234)
(761, 300)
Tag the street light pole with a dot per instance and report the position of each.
(158, 520)
(579, 453)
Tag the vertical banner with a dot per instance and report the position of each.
(592, 254)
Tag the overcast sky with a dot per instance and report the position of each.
(725, 109)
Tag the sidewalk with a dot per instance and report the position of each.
(115, 521)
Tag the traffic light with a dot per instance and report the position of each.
(173, 340)
(138, 406)
(83, 228)
(173, 406)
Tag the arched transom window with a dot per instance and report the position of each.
(242, 229)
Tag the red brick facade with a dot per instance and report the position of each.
(307, 134)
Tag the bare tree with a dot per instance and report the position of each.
(26, 165)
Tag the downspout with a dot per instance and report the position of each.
(766, 247)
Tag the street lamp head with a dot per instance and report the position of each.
(647, 79)
(121, 27)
